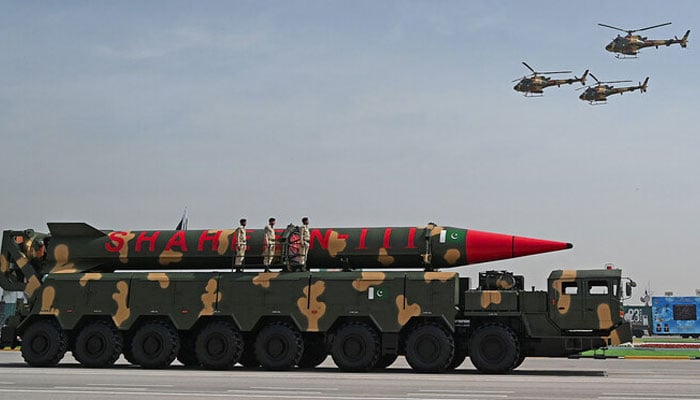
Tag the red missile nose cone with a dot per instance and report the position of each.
(487, 246)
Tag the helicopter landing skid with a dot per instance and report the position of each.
(532, 94)
(626, 57)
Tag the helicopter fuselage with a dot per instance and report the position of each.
(631, 44)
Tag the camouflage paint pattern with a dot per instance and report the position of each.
(313, 301)
(600, 92)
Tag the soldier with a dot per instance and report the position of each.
(269, 244)
(241, 245)
(305, 240)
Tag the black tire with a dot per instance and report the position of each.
(494, 349)
(278, 346)
(520, 361)
(44, 343)
(429, 348)
(385, 361)
(219, 345)
(98, 344)
(126, 351)
(248, 359)
(461, 350)
(155, 345)
(638, 333)
(315, 351)
(187, 355)
(356, 347)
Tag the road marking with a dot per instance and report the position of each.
(462, 395)
(204, 395)
(290, 388)
(470, 391)
(129, 385)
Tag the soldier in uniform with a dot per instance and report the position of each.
(269, 244)
(305, 234)
(241, 245)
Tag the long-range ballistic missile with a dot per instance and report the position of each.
(79, 247)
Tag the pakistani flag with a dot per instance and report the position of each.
(453, 236)
(376, 293)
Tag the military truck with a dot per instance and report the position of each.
(103, 294)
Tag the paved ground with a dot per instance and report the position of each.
(537, 378)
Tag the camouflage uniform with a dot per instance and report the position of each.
(305, 240)
(241, 245)
(269, 243)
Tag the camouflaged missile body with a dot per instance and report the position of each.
(279, 320)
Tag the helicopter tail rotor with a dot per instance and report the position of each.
(684, 39)
(643, 86)
(582, 79)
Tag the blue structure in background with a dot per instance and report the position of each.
(676, 315)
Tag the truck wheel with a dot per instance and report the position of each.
(315, 351)
(219, 345)
(638, 333)
(98, 345)
(429, 348)
(278, 346)
(461, 351)
(520, 361)
(494, 349)
(356, 347)
(187, 355)
(385, 361)
(44, 343)
(155, 345)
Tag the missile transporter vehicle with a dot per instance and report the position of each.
(157, 296)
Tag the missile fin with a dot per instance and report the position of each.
(80, 229)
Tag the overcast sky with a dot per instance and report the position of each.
(357, 113)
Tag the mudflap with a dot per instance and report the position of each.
(621, 334)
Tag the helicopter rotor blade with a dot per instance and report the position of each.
(554, 72)
(651, 27)
(627, 81)
(529, 67)
(594, 78)
(614, 27)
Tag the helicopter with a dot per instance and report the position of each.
(598, 93)
(629, 45)
(532, 85)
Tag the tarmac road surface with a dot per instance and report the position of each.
(537, 378)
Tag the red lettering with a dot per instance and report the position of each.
(178, 240)
(150, 239)
(323, 240)
(411, 239)
(387, 238)
(209, 237)
(363, 240)
(117, 242)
